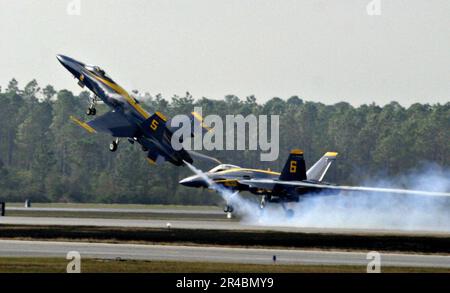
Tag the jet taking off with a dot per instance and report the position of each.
(293, 183)
(127, 119)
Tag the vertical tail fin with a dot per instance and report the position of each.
(320, 168)
(294, 169)
(155, 125)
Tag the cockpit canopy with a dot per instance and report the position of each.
(96, 69)
(222, 167)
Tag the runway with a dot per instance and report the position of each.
(120, 210)
(198, 224)
(13, 248)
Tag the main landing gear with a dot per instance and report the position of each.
(262, 205)
(113, 145)
(288, 212)
(91, 110)
(229, 210)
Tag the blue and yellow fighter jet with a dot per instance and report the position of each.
(127, 118)
(291, 185)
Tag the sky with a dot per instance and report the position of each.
(323, 51)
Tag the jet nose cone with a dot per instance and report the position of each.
(187, 181)
(61, 58)
(70, 64)
(192, 181)
(66, 61)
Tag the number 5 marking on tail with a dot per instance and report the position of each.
(154, 125)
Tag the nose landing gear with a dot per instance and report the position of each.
(113, 145)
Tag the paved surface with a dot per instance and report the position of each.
(196, 224)
(121, 210)
(14, 248)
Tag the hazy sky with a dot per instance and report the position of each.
(326, 51)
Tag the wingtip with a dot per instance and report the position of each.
(86, 126)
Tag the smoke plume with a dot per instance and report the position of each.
(356, 210)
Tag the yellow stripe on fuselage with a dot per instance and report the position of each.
(246, 169)
(124, 94)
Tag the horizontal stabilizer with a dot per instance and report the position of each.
(197, 119)
(195, 122)
(153, 157)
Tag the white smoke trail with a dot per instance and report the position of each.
(240, 205)
(357, 210)
(363, 210)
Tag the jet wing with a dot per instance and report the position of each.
(112, 122)
(268, 184)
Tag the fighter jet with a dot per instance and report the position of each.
(127, 118)
(291, 185)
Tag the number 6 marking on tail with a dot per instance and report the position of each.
(293, 167)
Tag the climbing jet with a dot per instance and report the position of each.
(291, 185)
(127, 119)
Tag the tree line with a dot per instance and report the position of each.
(45, 157)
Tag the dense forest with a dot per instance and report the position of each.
(45, 157)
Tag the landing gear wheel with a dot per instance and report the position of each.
(263, 202)
(228, 209)
(290, 213)
(91, 111)
(113, 146)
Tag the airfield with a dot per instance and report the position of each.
(203, 236)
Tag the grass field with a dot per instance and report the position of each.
(58, 265)
(247, 238)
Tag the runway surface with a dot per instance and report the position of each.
(197, 224)
(121, 210)
(13, 248)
